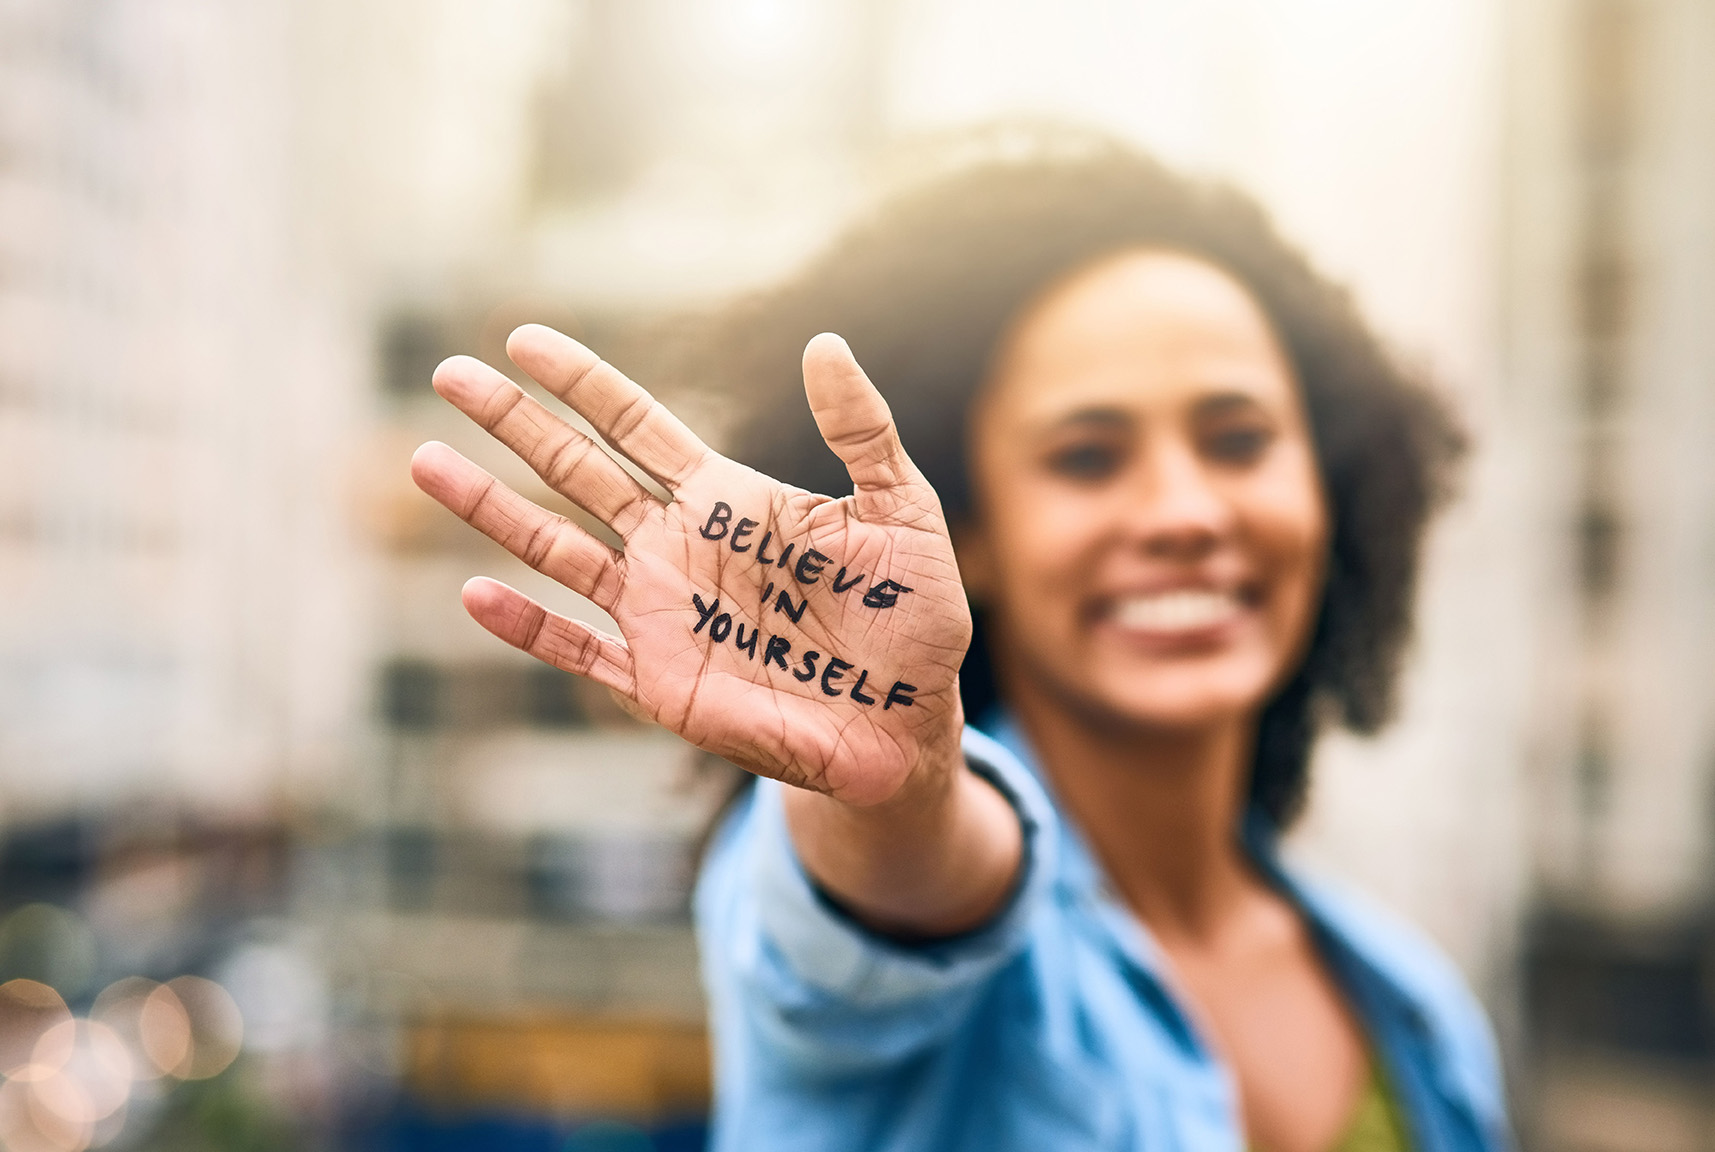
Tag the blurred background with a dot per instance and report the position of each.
(293, 856)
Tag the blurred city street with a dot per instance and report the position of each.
(294, 855)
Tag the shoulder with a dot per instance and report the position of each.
(1432, 987)
(1397, 948)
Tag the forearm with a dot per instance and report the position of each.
(939, 858)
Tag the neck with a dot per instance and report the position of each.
(1160, 809)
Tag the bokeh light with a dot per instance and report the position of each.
(164, 1030)
(27, 1125)
(151, 1022)
(92, 1077)
(29, 1010)
(69, 1080)
(216, 1025)
(282, 994)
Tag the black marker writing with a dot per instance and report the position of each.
(835, 669)
(722, 626)
(721, 516)
(809, 672)
(746, 646)
(884, 595)
(704, 611)
(810, 566)
(858, 693)
(783, 603)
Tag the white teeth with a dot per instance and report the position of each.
(1179, 611)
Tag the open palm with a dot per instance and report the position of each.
(807, 638)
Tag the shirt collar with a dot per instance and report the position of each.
(1080, 878)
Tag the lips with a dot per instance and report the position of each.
(1178, 610)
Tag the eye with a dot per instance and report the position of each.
(1085, 460)
(1238, 443)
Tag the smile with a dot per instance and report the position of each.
(1179, 610)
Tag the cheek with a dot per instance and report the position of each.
(1041, 540)
(1290, 522)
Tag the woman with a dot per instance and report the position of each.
(1183, 489)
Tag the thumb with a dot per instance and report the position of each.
(854, 419)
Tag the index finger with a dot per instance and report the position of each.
(627, 416)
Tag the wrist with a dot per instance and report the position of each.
(939, 761)
(938, 858)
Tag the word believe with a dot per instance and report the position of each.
(721, 625)
(811, 563)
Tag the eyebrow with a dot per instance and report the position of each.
(1224, 402)
(1105, 416)
(1100, 417)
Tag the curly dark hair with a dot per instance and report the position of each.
(924, 288)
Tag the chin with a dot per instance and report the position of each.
(1188, 715)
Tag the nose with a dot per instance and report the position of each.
(1174, 507)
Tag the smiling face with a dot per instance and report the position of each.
(1151, 529)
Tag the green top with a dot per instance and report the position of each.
(1375, 1125)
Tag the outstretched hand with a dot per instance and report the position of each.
(802, 637)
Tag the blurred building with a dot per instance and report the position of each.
(177, 662)
(172, 409)
(1610, 280)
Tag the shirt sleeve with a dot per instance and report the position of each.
(806, 984)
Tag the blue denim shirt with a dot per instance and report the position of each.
(1051, 1029)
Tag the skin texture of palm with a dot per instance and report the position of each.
(806, 638)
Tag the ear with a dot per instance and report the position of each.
(975, 554)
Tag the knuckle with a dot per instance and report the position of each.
(578, 374)
(565, 461)
(538, 544)
(608, 585)
(481, 500)
(628, 518)
(571, 651)
(530, 625)
(874, 442)
(504, 401)
(633, 414)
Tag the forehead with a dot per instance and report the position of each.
(1137, 329)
